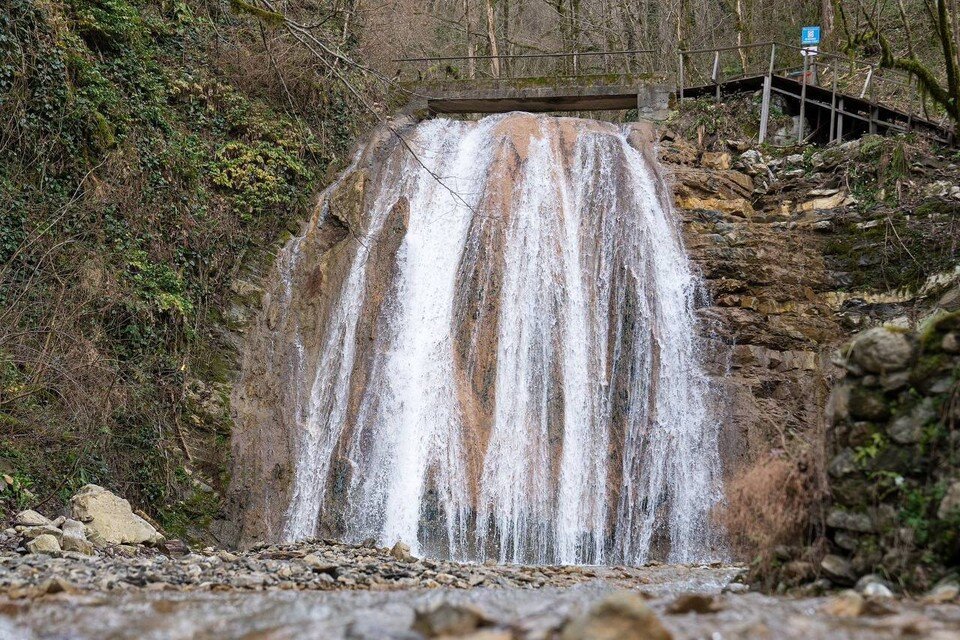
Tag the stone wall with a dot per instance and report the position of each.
(895, 466)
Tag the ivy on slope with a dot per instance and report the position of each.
(137, 178)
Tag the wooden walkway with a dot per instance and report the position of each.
(852, 98)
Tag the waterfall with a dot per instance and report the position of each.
(509, 365)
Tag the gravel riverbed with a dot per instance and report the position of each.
(323, 589)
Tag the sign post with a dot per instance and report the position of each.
(809, 47)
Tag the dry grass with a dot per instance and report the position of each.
(771, 504)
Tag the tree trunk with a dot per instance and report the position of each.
(827, 20)
(492, 37)
(471, 51)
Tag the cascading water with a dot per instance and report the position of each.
(524, 384)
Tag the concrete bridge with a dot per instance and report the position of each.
(840, 98)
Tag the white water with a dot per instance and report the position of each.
(601, 444)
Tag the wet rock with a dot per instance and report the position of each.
(447, 619)
(621, 616)
(848, 604)
(44, 544)
(31, 518)
(838, 569)
(840, 519)
(111, 516)
(882, 349)
(693, 603)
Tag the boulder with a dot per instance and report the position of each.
(401, 551)
(848, 604)
(621, 616)
(45, 544)
(882, 349)
(111, 517)
(716, 160)
(30, 518)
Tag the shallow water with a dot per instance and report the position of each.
(531, 613)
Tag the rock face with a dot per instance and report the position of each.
(771, 318)
(110, 516)
(439, 370)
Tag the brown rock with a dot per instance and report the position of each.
(621, 616)
(448, 619)
(716, 160)
(693, 603)
(848, 604)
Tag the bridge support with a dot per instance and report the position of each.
(765, 108)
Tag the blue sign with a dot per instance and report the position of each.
(810, 35)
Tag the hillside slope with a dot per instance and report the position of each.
(151, 154)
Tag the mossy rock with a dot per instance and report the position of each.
(868, 404)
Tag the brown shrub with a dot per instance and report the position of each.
(771, 504)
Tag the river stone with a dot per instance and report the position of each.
(950, 504)
(446, 619)
(908, 428)
(839, 519)
(945, 592)
(45, 544)
(693, 603)
(30, 518)
(620, 616)
(882, 349)
(401, 551)
(848, 604)
(837, 569)
(111, 517)
(877, 590)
